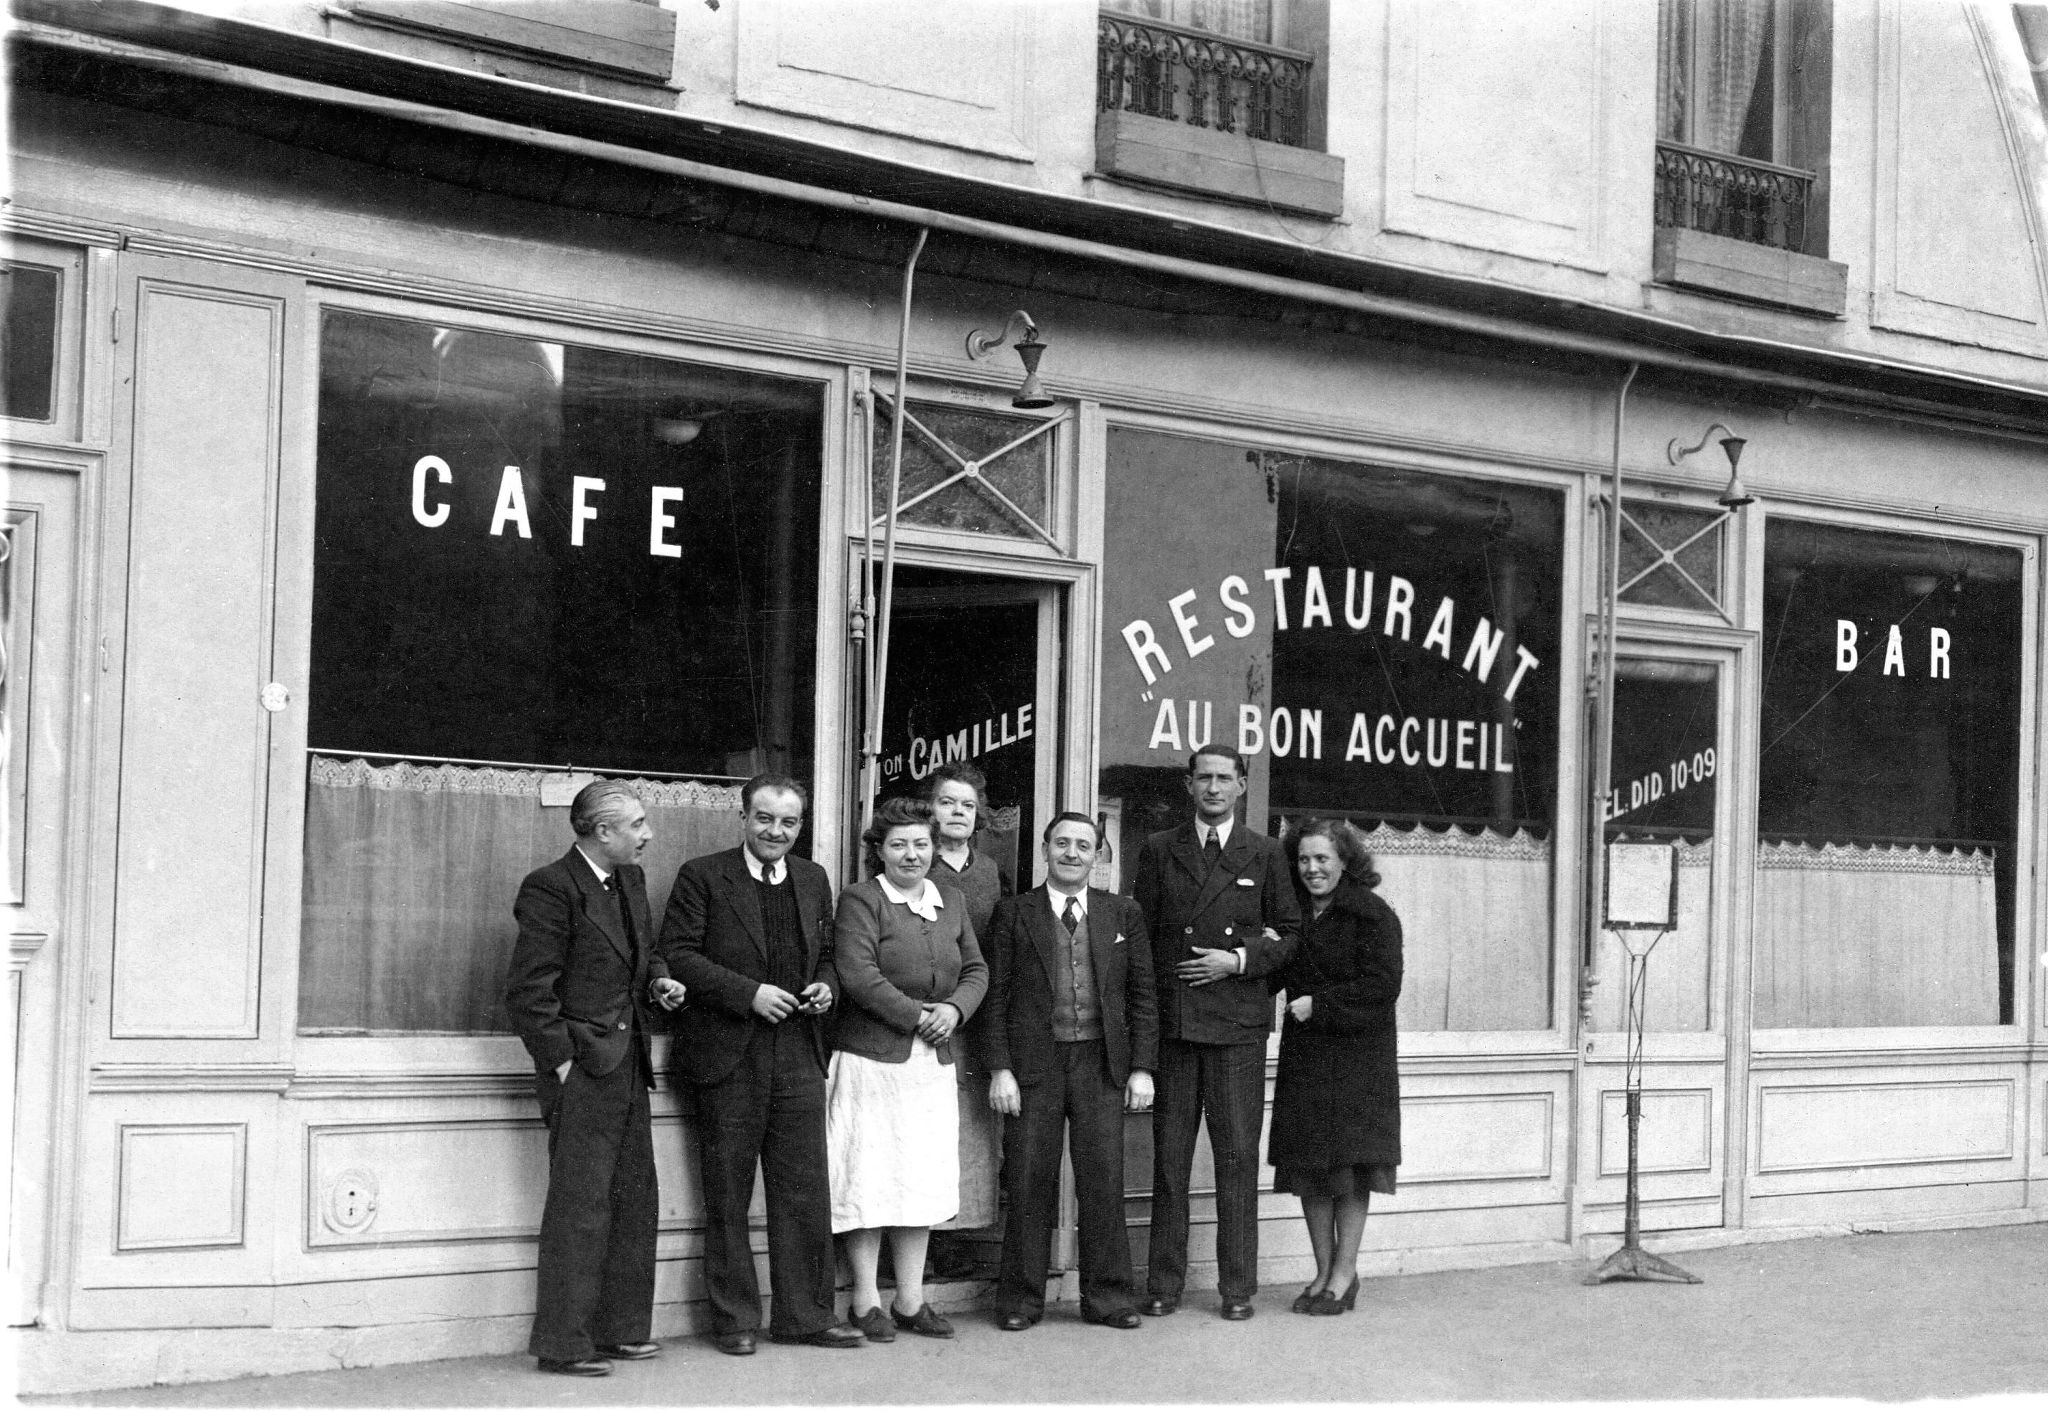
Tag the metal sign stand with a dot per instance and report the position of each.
(1638, 863)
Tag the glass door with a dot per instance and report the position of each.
(974, 679)
(1672, 726)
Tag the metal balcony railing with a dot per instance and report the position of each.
(1738, 197)
(1187, 75)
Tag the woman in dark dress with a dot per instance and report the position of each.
(1336, 1134)
(958, 795)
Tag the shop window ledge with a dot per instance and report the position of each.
(636, 38)
(1716, 264)
(1221, 165)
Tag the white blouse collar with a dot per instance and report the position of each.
(925, 903)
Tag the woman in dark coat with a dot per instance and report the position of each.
(1336, 1134)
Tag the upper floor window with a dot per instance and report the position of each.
(1224, 98)
(1742, 112)
(1206, 63)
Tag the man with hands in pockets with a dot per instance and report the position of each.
(583, 979)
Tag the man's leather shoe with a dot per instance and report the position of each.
(576, 1366)
(836, 1336)
(1236, 1309)
(629, 1351)
(1157, 1307)
(739, 1344)
(1015, 1322)
(1128, 1318)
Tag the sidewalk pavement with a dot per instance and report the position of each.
(1891, 1317)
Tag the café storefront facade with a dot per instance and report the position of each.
(367, 512)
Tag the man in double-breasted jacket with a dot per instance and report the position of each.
(749, 930)
(579, 989)
(1222, 915)
(1070, 1033)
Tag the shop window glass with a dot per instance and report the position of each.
(29, 296)
(1383, 645)
(534, 561)
(1670, 556)
(1888, 780)
(1667, 771)
(968, 469)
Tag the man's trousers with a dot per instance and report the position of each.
(1226, 1085)
(770, 1109)
(596, 1282)
(1073, 1096)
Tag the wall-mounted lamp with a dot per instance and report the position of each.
(1737, 494)
(980, 344)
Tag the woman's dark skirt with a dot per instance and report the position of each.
(1335, 1182)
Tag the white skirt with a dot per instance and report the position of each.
(892, 1133)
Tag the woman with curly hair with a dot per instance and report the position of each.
(1336, 1134)
(910, 975)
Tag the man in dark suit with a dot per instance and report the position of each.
(749, 930)
(1069, 1030)
(1222, 914)
(578, 991)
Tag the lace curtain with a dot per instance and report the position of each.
(1735, 32)
(1475, 926)
(1852, 937)
(411, 871)
(1680, 968)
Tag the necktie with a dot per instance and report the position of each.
(1212, 850)
(1072, 917)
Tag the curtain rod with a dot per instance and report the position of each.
(526, 764)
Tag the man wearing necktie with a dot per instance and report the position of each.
(1069, 1031)
(1222, 915)
(579, 991)
(750, 930)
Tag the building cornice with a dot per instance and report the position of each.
(311, 69)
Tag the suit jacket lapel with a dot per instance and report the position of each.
(1187, 851)
(1224, 875)
(597, 903)
(746, 900)
(806, 917)
(1103, 950)
(633, 895)
(1042, 938)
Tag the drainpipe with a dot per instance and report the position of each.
(1603, 709)
(878, 694)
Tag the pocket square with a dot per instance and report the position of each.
(1119, 939)
(1247, 881)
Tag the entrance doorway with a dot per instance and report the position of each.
(974, 676)
(1674, 729)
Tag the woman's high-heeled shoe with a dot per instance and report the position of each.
(1329, 1305)
(1303, 1299)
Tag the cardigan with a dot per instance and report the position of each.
(981, 882)
(891, 963)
